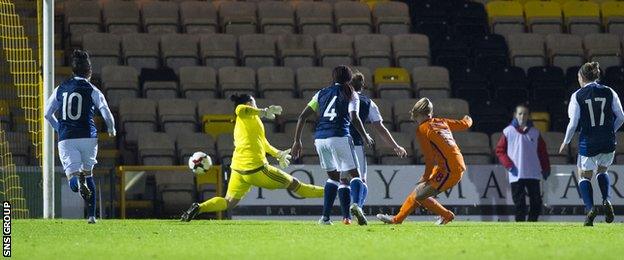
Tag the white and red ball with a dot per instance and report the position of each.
(199, 162)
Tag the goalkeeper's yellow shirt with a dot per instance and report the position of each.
(250, 143)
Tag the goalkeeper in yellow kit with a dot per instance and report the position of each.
(249, 164)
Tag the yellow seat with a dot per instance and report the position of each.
(392, 83)
(613, 15)
(371, 3)
(4, 108)
(505, 17)
(215, 125)
(541, 121)
(582, 18)
(543, 17)
(563, 2)
(391, 76)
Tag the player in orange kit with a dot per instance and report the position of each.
(444, 163)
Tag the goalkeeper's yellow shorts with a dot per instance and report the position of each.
(267, 177)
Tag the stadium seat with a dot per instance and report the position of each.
(372, 50)
(225, 148)
(526, 50)
(237, 80)
(218, 124)
(543, 17)
(141, 50)
(614, 77)
(546, 84)
(276, 82)
(430, 18)
(276, 17)
(391, 18)
(402, 115)
(121, 17)
(613, 17)
(19, 147)
(565, 50)
(386, 155)
(281, 141)
(475, 147)
(315, 18)
(489, 51)
(392, 83)
(160, 17)
(490, 117)
(198, 17)
(352, 18)
(187, 144)
(218, 50)
(469, 84)
(452, 108)
(119, 82)
(385, 109)
(156, 149)
(582, 17)
(288, 118)
(81, 17)
(603, 48)
(553, 141)
(312, 79)
(334, 49)
(469, 19)
(308, 153)
(177, 116)
(257, 50)
(431, 81)
(238, 18)
(103, 50)
(179, 50)
(137, 117)
(411, 50)
(198, 83)
(541, 121)
(159, 83)
(506, 17)
(450, 52)
(296, 50)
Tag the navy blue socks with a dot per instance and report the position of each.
(587, 193)
(329, 196)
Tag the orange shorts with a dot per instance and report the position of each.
(442, 179)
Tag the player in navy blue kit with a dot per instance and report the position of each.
(78, 99)
(596, 111)
(338, 106)
(368, 113)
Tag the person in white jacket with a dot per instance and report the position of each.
(522, 151)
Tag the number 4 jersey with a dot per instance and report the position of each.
(597, 111)
(77, 99)
(334, 109)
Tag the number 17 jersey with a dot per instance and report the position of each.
(596, 119)
(333, 108)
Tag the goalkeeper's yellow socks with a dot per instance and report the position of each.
(309, 191)
(214, 204)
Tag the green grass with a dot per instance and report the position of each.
(169, 239)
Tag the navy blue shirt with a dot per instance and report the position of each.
(594, 107)
(77, 99)
(333, 108)
(365, 105)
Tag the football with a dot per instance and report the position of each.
(199, 163)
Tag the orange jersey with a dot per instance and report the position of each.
(444, 163)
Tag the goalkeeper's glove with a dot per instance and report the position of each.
(271, 111)
(283, 157)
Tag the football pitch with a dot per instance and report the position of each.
(250, 239)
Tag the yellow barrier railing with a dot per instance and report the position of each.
(212, 176)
